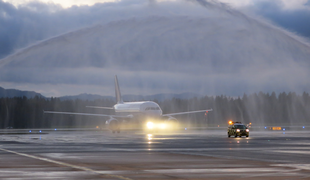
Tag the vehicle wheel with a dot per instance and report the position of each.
(228, 135)
(240, 136)
(247, 136)
(236, 136)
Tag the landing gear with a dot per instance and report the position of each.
(114, 131)
(114, 126)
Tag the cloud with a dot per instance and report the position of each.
(173, 46)
(36, 21)
(295, 19)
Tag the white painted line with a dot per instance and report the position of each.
(293, 152)
(225, 170)
(297, 166)
(66, 164)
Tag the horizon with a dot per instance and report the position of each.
(173, 94)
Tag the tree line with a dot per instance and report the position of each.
(257, 108)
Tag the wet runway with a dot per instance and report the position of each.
(203, 154)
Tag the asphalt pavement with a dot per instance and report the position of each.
(185, 154)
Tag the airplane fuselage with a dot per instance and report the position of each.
(137, 109)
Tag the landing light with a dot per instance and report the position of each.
(150, 125)
(162, 126)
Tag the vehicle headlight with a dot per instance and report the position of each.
(150, 125)
(238, 130)
(247, 130)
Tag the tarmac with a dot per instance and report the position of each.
(135, 155)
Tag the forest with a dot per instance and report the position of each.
(257, 108)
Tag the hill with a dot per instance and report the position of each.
(17, 93)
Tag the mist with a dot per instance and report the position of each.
(293, 18)
(203, 47)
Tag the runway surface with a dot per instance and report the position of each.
(136, 155)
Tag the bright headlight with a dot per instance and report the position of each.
(162, 126)
(238, 130)
(150, 125)
(247, 130)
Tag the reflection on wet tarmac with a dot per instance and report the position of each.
(136, 155)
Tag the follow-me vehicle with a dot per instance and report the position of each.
(147, 112)
(237, 129)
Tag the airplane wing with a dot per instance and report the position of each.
(87, 114)
(188, 112)
(99, 107)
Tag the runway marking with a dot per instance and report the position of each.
(225, 170)
(296, 166)
(294, 152)
(66, 164)
(200, 149)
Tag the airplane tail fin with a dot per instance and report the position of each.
(118, 95)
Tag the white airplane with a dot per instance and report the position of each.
(147, 112)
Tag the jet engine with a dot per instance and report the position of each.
(172, 122)
(113, 125)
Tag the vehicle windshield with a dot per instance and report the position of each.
(240, 126)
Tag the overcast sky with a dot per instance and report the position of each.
(23, 23)
(286, 4)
